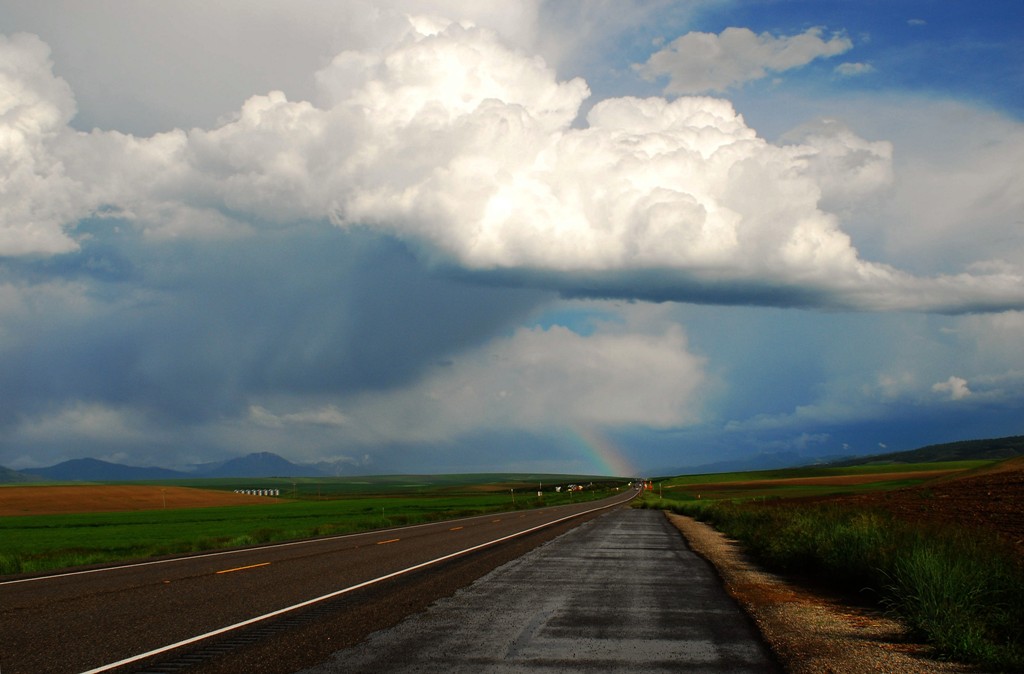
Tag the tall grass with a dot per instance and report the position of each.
(962, 591)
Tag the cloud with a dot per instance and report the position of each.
(83, 421)
(956, 203)
(837, 373)
(591, 36)
(847, 168)
(956, 387)
(853, 69)
(996, 337)
(329, 415)
(36, 195)
(185, 333)
(702, 62)
(465, 149)
(135, 72)
(541, 379)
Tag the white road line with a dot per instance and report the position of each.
(337, 593)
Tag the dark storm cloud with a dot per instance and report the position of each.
(188, 332)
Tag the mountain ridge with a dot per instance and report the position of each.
(258, 464)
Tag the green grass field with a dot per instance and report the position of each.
(322, 507)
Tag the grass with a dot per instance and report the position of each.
(962, 591)
(33, 544)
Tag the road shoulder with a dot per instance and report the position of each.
(810, 632)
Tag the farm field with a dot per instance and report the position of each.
(107, 523)
(57, 500)
(811, 481)
(987, 494)
(990, 500)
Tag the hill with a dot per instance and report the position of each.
(262, 464)
(94, 470)
(8, 476)
(966, 450)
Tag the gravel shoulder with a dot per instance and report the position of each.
(809, 631)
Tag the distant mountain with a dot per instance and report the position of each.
(966, 450)
(8, 476)
(94, 470)
(262, 464)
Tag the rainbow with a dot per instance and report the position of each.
(602, 453)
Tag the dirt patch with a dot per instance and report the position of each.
(111, 498)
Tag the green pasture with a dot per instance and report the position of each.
(45, 542)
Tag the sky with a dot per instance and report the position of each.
(550, 236)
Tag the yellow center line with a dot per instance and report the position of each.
(390, 540)
(243, 568)
(494, 521)
(454, 528)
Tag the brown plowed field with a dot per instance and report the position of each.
(992, 500)
(111, 498)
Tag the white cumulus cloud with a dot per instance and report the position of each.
(853, 69)
(699, 62)
(845, 166)
(37, 197)
(466, 149)
(955, 387)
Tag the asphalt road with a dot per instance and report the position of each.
(619, 593)
(85, 621)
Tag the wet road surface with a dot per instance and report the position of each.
(619, 593)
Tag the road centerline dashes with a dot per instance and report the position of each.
(242, 568)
